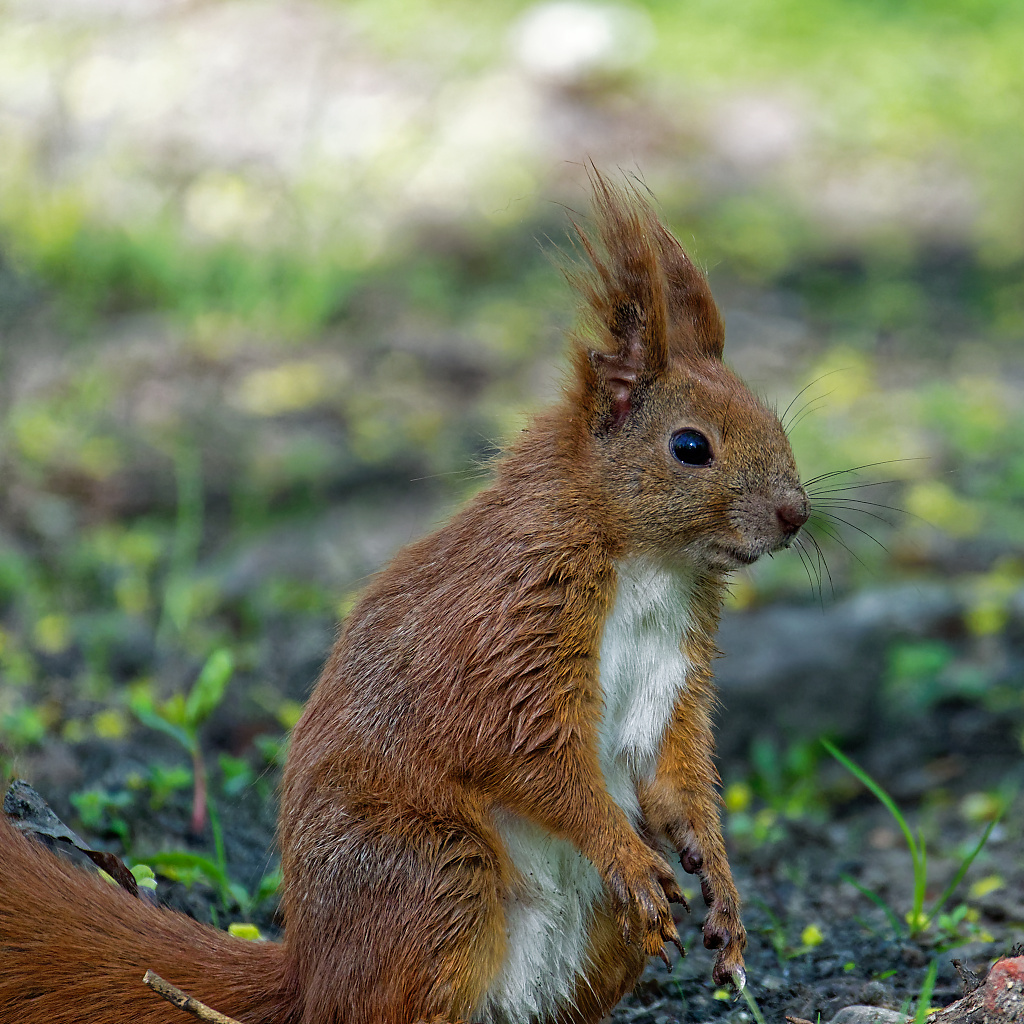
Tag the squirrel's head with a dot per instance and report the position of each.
(689, 462)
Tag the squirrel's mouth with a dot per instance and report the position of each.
(728, 556)
(735, 556)
(746, 551)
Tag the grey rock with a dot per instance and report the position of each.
(873, 993)
(868, 1015)
(828, 662)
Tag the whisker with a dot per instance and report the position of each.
(822, 563)
(833, 534)
(853, 526)
(809, 403)
(828, 505)
(805, 561)
(853, 487)
(803, 390)
(812, 576)
(810, 407)
(725, 419)
(862, 501)
(856, 469)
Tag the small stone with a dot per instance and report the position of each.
(868, 1015)
(873, 993)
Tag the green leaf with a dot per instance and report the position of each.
(154, 720)
(269, 884)
(208, 691)
(178, 860)
(962, 870)
(144, 876)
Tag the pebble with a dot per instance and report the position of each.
(868, 1015)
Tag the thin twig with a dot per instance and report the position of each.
(184, 1001)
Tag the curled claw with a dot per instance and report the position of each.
(724, 974)
(673, 893)
(663, 952)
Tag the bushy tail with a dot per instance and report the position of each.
(73, 950)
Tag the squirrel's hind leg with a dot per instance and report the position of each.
(613, 968)
(411, 927)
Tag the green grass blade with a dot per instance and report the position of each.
(924, 1000)
(855, 769)
(918, 922)
(897, 926)
(962, 870)
(752, 1003)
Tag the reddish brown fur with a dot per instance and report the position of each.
(467, 681)
(74, 948)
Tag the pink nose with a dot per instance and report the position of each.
(791, 516)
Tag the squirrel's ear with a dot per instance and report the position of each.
(644, 300)
(624, 301)
(640, 353)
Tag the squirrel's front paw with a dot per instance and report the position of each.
(724, 931)
(641, 890)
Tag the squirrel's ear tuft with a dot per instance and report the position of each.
(695, 325)
(645, 303)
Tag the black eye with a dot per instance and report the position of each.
(691, 448)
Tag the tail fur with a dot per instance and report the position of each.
(73, 950)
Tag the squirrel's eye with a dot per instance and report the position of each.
(691, 448)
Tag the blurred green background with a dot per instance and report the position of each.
(276, 277)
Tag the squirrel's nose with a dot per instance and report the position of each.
(792, 515)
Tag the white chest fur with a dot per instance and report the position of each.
(642, 671)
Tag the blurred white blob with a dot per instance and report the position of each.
(753, 130)
(99, 8)
(571, 39)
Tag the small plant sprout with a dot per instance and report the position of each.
(181, 718)
(917, 918)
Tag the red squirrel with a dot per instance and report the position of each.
(513, 728)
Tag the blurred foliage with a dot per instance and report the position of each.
(207, 350)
